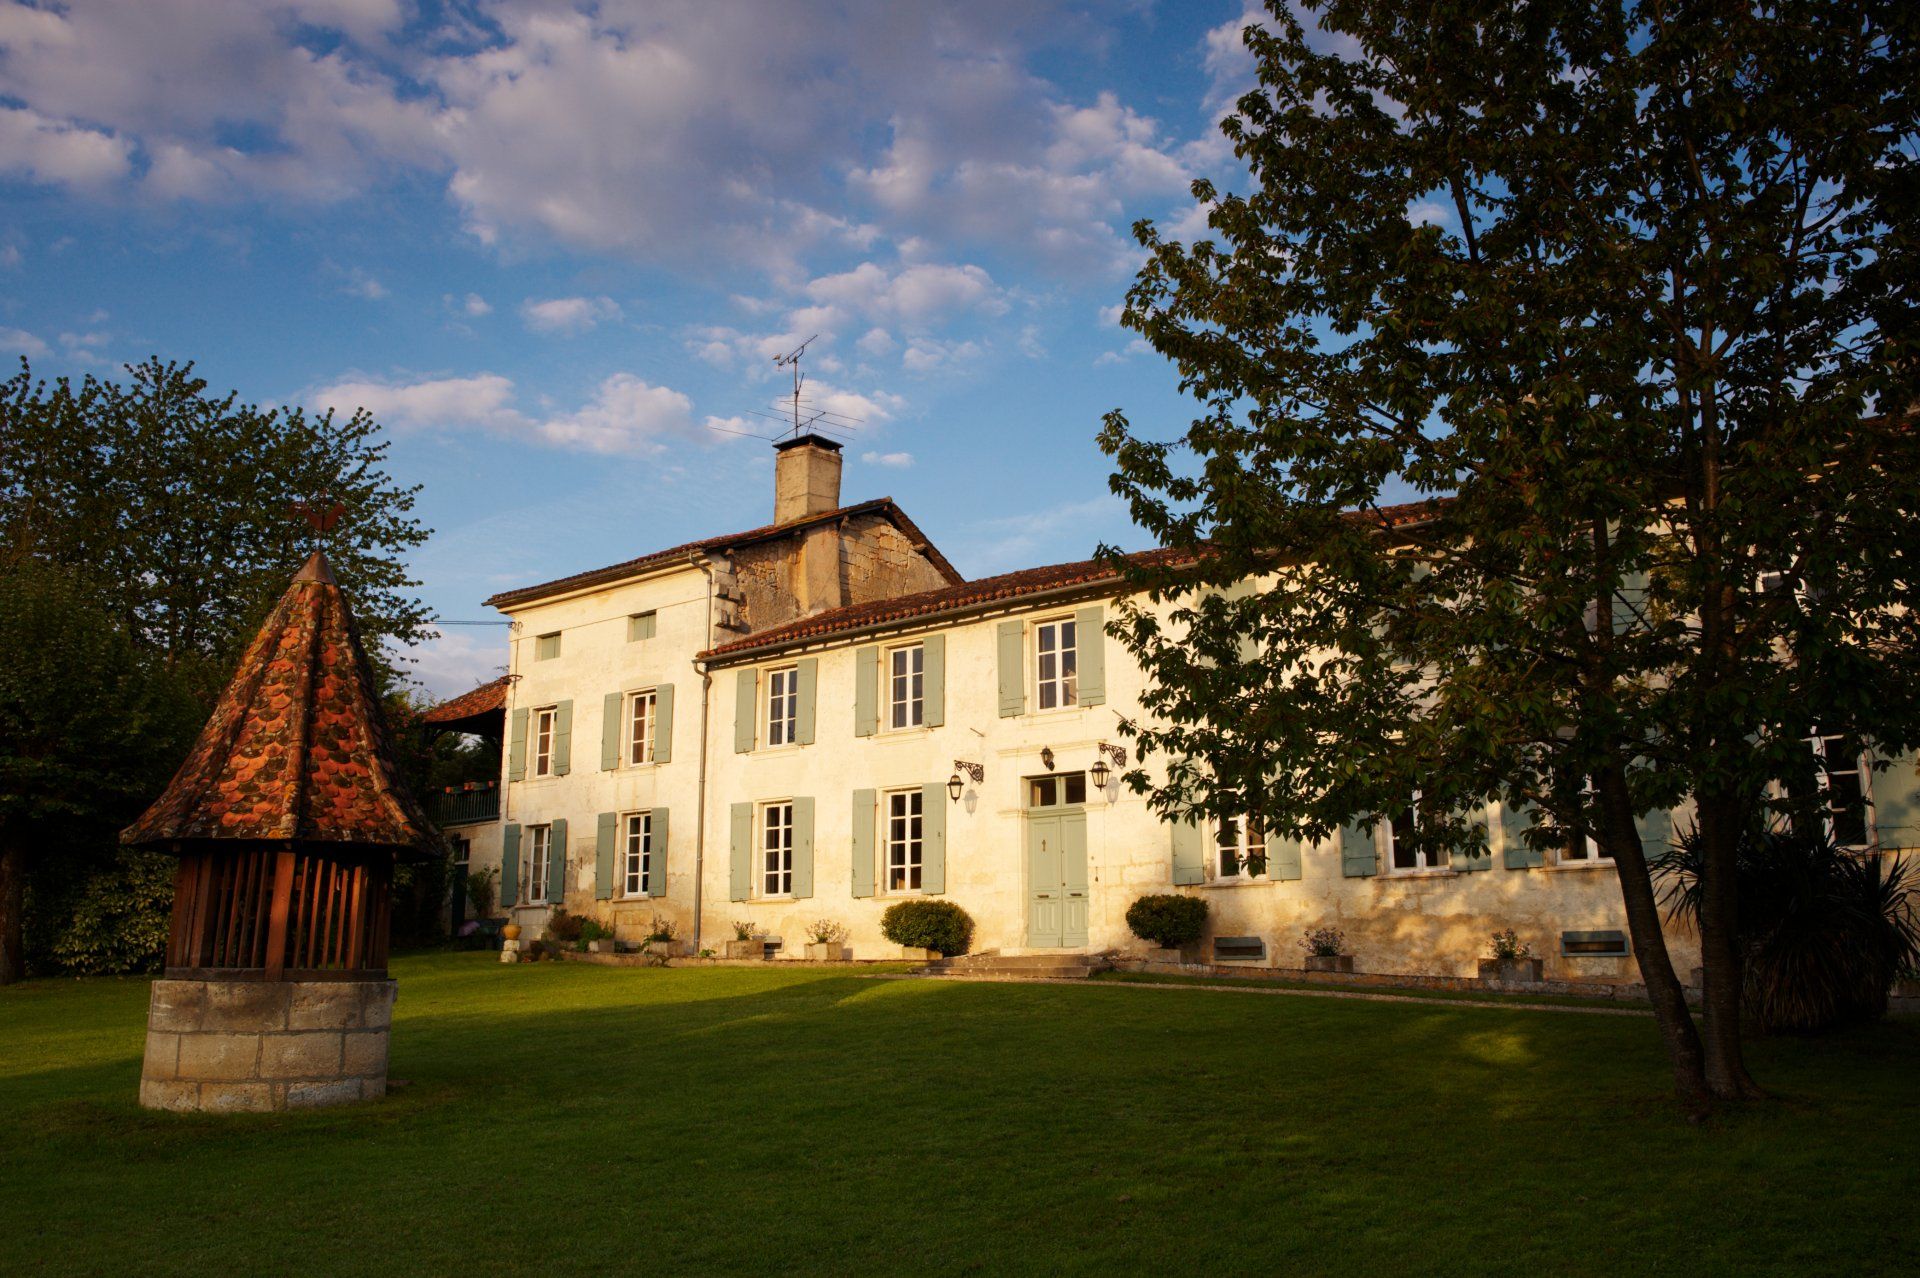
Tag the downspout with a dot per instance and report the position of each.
(700, 810)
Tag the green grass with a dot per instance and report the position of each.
(572, 1119)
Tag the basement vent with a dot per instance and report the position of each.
(773, 947)
(1228, 949)
(1593, 944)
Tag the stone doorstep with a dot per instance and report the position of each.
(1386, 980)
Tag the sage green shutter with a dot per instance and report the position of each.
(1189, 859)
(657, 855)
(1090, 638)
(611, 706)
(1013, 678)
(1655, 830)
(933, 838)
(866, 691)
(1358, 857)
(740, 879)
(562, 738)
(933, 706)
(865, 806)
(640, 626)
(510, 865)
(663, 723)
(557, 862)
(1472, 860)
(802, 847)
(1896, 803)
(605, 836)
(1518, 855)
(1283, 859)
(807, 695)
(517, 747)
(746, 711)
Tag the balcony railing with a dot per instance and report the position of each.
(470, 804)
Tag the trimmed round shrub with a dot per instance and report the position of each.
(940, 926)
(1168, 921)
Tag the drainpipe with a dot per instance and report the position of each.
(700, 810)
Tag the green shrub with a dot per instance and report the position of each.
(564, 927)
(595, 930)
(113, 920)
(940, 926)
(1168, 921)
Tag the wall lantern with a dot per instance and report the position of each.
(976, 771)
(1101, 772)
(1046, 756)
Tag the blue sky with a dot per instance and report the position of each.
(554, 247)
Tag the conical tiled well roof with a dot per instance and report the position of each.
(296, 749)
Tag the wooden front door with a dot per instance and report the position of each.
(1056, 879)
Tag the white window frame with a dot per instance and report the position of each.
(776, 849)
(906, 688)
(904, 851)
(1059, 780)
(1423, 864)
(1818, 741)
(1056, 641)
(1247, 841)
(781, 715)
(546, 722)
(636, 853)
(1584, 849)
(640, 727)
(538, 869)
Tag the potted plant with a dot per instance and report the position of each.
(1171, 922)
(928, 929)
(1512, 962)
(596, 937)
(661, 939)
(746, 944)
(1326, 950)
(511, 931)
(827, 941)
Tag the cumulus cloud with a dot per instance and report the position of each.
(568, 315)
(55, 153)
(898, 461)
(626, 414)
(19, 341)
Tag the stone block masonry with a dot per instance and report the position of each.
(265, 1046)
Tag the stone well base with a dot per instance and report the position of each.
(260, 1046)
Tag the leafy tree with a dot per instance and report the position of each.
(1625, 289)
(181, 505)
(90, 728)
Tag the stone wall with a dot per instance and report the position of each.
(262, 1046)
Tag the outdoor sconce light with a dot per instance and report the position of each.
(1101, 772)
(1046, 756)
(976, 771)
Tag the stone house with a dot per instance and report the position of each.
(817, 718)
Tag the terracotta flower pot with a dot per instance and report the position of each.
(511, 931)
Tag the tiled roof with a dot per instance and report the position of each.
(488, 698)
(990, 590)
(616, 572)
(296, 748)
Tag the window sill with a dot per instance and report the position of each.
(902, 734)
(1229, 884)
(1575, 867)
(648, 766)
(1437, 872)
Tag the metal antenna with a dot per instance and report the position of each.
(792, 360)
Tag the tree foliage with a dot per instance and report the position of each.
(1626, 292)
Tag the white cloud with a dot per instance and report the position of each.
(56, 153)
(473, 306)
(924, 354)
(899, 461)
(1427, 213)
(626, 414)
(876, 342)
(913, 295)
(569, 315)
(362, 285)
(459, 660)
(18, 341)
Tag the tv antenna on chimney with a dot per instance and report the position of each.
(792, 360)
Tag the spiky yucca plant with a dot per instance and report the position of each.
(1823, 931)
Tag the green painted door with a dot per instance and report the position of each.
(1056, 879)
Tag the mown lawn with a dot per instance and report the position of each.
(574, 1119)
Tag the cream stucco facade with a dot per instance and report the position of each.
(722, 765)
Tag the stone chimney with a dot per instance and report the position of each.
(806, 478)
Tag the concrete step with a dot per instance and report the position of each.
(1012, 967)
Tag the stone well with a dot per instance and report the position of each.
(263, 1046)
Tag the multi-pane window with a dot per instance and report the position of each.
(640, 727)
(1241, 848)
(636, 854)
(539, 854)
(776, 846)
(543, 721)
(1056, 664)
(906, 686)
(1584, 847)
(783, 705)
(1843, 789)
(1065, 790)
(1406, 849)
(905, 840)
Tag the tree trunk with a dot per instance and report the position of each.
(1664, 991)
(1719, 830)
(13, 900)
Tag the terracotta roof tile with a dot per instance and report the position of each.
(1007, 587)
(615, 572)
(296, 748)
(488, 698)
